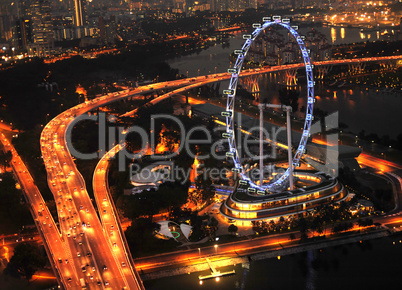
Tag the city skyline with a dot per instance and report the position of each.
(150, 144)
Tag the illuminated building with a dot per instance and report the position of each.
(5, 28)
(23, 32)
(80, 14)
(42, 27)
(244, 207)
(107, 29)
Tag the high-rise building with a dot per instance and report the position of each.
(5, 27)
(42, 27)
(23, 33)
(232, 5)
(253, 4)
(107, 29)
(80, 13)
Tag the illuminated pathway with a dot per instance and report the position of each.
(55, 246)
(108, 213)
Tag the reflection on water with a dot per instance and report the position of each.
(358, 108)
(333, 34)
(311, 274)
(362, 265)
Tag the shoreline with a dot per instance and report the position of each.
(294, 249)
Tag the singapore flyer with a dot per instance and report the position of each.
(279, 183)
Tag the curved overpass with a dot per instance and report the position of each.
(69, 190)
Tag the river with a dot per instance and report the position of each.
(372, 264)
(360, 109)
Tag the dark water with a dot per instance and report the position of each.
(375, 112)
(374, 264)
(359, 109)
(218, 55)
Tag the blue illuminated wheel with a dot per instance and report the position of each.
(281, 182)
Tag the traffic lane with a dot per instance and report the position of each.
(109, 221)
(82, 201)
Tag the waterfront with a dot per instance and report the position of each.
(353, 103)
(218, 55)
(371, 264)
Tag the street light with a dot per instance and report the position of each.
(199, 251)
(216, 249)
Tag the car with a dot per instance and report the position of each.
(83, 269)
(89, 254)
(98, 283)
(123, 264)
(92, 277)
(86, 210)
(104, 268)
(114, 245)
(106, 283)
(93, 269)
(78, 254)
(60, 261)
(69, 280)
(66, 261)
(88, 225)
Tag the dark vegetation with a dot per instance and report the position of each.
(148, 203)
(27, 259)
(14, 212)
(142, 242)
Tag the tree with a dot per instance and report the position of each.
(232, 229)
(5, 159)
(303, 226)
(26, 260)
(13, 214)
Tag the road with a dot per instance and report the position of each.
(378, 163)
(54, 244)
(88, 249)
(99, 252)
(93, 253)
(108, 213)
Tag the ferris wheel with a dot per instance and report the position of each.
(281, 182)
